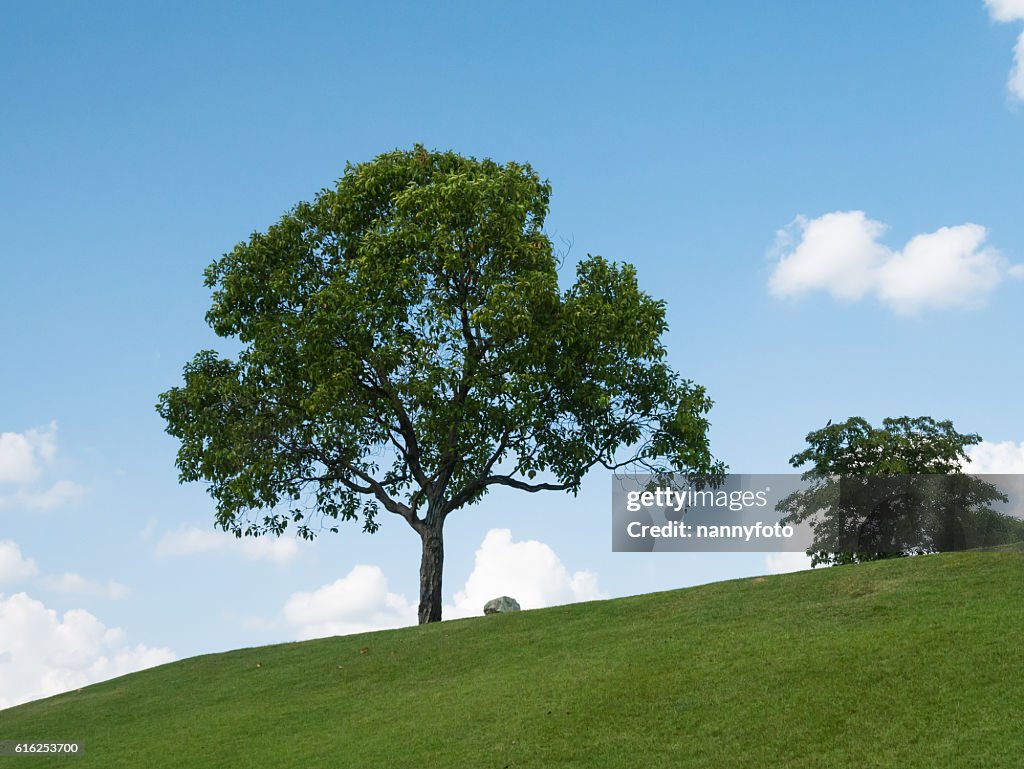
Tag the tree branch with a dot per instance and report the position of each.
(373, 486)
(515, 483)
(406, 428)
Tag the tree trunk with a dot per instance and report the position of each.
(431, 565)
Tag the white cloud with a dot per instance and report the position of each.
(23, 454)
(949, 267)
(17, 459)
(996, 458)
(23, 458)
(783, 563)
(14, 567)
(76, 584)
(528, 571)
(191, 540)
(42, 654)
(840, 253)
(358, 602)
(1008, 11)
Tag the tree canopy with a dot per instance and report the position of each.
(895, 490)
(405, 347)
(901, 445)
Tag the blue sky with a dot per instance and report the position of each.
(826, 195)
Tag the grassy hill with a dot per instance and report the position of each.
(903, 663)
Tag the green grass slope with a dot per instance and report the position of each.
(903, 663)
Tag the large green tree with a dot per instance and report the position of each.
(895, 490)
(405, 346)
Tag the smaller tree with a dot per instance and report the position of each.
(893, 491)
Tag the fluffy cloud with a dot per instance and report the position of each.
(529, 571)
(996, 458)
(783, 563)
(191, 540)
(75, 584)
(42, 654)
(14, 567)
(1007, 11)
(23, 454)
(23, 457)
(840, 253)
(949, 267)
(358, 602)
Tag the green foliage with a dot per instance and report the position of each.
(406, 346)
(932, 506)
(907, 663)
(902, 445)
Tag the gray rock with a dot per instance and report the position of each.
(503, 604)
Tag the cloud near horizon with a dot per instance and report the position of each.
(357, 603)
(786, 562)
(991, 458)
(840, 253)
(528, 571)
(361, 601)
(1010, 11)
(42, 654)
